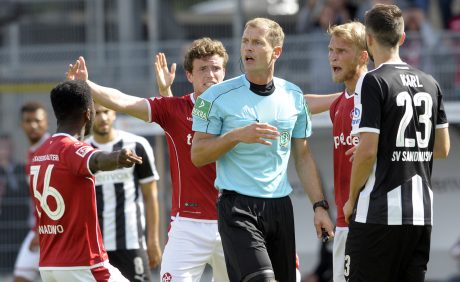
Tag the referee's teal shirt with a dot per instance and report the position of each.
(253, 169)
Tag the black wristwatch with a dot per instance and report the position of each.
(323, 203)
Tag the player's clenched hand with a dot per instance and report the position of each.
(323, 223)
(258, 133)
(154, 253)
(77, 71)
(164, 76)
(128, 158)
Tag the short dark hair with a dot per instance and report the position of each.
(70, 99)
(203, 48)
(385, 23)
(31, 107)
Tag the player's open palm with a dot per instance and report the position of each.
(258, 133)
(77, 71)
(164, 76)
(128, 158)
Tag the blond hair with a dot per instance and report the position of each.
(275, 34)
(353, 32)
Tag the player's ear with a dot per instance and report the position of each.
(402, 39)
(189, 76)
(277, 52)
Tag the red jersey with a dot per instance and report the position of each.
(30, 154)
(65, 197)
(194, 195)
(341, 113)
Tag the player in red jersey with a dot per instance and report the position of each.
(34, 123)
(62, 184)
(348, 59)
(193, 238)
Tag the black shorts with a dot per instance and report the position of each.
(257, 236)
(382, 253)
(133, 264)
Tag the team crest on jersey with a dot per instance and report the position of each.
(285, 139)
(356, 115)
(201, 109)
(83, 151)
(167, 277)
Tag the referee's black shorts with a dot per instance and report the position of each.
(383, 253)
(257, 236)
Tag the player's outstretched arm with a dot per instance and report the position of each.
(110, 161)
(318, 103)
(164, 76)
(309, 177)
(109, 97)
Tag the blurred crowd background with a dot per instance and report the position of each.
(119, 39)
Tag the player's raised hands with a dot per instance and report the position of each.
(78, 70)
(164, 76)
(128, 158)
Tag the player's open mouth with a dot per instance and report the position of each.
(336, 69)
(248, 59)
(208, 84)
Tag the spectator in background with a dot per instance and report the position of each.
(14, 199)
(127, 201)
(421, 38)
(34, 123)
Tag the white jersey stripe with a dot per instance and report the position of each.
(394, 206)
(417, 201)
(364, 198)
(109, 228)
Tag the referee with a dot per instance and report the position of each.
(246, 125)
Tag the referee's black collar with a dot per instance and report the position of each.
(262, 90)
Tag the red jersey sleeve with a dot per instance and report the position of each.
(77, 157)
(159, 108)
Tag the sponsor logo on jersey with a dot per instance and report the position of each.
(201, 109)
(348, 140)
(82, 151)
(167, 277)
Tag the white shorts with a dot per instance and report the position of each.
(26, 265)
(191, 245)
(338, 253)
(105, 272)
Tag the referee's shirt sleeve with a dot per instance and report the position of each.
(302, 128)
(206, 116)
(367, 109)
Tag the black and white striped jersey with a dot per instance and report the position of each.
(119, 196)
(404, 106)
